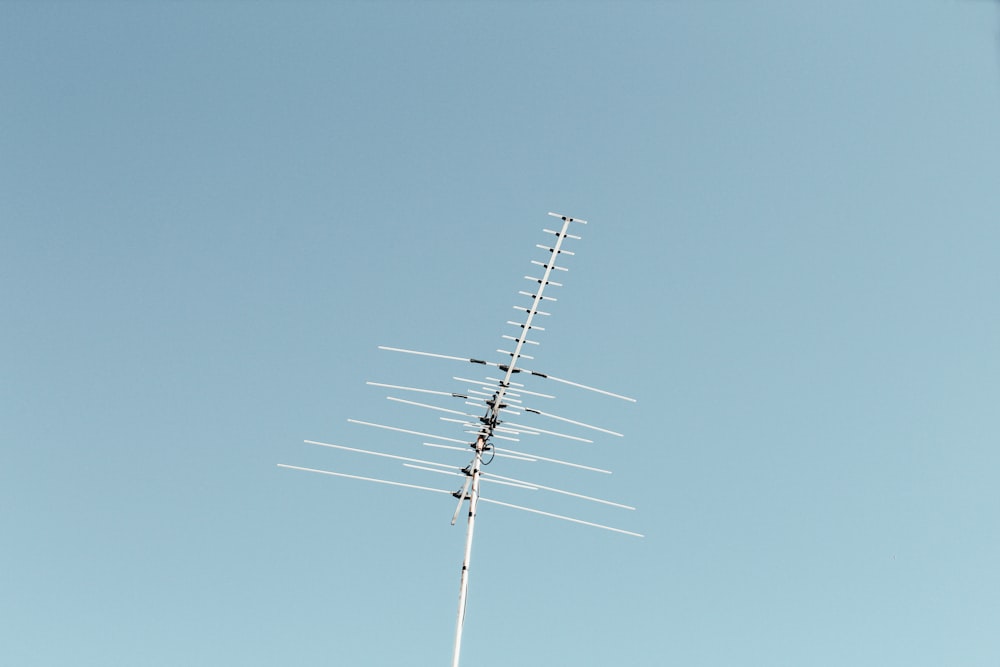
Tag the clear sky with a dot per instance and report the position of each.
(212, 213)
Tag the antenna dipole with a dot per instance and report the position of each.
(490, 421)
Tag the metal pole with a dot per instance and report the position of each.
(490, 422)
(463, 589)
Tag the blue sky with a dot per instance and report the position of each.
(212, 213)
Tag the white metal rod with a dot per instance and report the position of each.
(422, 354)
(572, 421)
(422, 391)
(496, 429)
(463, 587)
(501, 429)
(562, 234)
(510, 411)
(518, 324)
(531, 312)
(498, 437)
(452, 420)
(564, 217)
(507, 410)
(514, 356)
(522, 391)
(539, 296)
(455, 472)
(498, 454)
(510, 383)
(523, 370)
(560, 516)
(556, 434)
(483, 400)
(404, 430)
(493, 477)
(536, 457)
(547, 282)
(431, 407)
(383, 455)
(518, 431)
(554, 251)
(578, 385)
(513, 384)
(529, 342)
(366, 479)
(504, 482)
(542, 264)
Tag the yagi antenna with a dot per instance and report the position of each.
(497, 399)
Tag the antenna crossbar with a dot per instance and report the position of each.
(381, 454)
(560, 516)
(510, 369)
(366, 479)
(405, 430)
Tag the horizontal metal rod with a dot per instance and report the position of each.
(523, 370)
(560, 252)
(547, 282)
(498, 437)
(529, 310)
(560, 516)
(523, 391)
(430, 407)
(366, 479)
(511, 354)
(555, 433)
(481, 426)
(567, 236)
(546, 266)
(382, 454)
(530, 326)
(405, 430)
(534, 296)
(529, 342)
(511, 383)
(483, 400)
(572, 421)
(566, 217)
(507, 410)
(536, 457)
(422, 391)
(503, 456)
(488, 475)
(455, 472)
(479, 382)
(518, 485)
(422, 354)
(578, 385)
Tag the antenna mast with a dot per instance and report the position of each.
(496, 393)
(490, 421)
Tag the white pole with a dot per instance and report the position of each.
(463, 588)
(491, 423)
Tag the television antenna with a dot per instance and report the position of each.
(499, 399)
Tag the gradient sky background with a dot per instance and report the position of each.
(211, 214)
